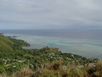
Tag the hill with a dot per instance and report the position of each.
(5, 44)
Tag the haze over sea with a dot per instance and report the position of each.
(87, 43)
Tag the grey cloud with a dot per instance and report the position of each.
(51, 13)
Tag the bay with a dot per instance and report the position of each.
(87, 43)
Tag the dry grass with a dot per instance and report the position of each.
(99, 65)
(55, 65)
(25, 72)
(56, 69)
(3, 75)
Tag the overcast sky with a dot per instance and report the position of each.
(50, 14)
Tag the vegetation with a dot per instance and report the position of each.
(16, 61)
(5, 42)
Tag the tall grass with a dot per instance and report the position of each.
(56, 69)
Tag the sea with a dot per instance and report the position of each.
(87, 43)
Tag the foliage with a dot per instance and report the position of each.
(2, 69)
(42, 62)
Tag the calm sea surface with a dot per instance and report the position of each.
(87, 43)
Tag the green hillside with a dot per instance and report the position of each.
(5, 44)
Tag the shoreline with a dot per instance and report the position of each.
(61, 45)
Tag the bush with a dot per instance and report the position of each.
(2, 69)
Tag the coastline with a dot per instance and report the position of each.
(85, 48)
(34, 59)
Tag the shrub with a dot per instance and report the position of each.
(2, 69)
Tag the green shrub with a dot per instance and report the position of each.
(2, 69)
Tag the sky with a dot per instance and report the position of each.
(50, 14)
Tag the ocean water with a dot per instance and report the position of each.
(87, 43)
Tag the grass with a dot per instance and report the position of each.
(5, 44)
(56, 69)
(97, 70)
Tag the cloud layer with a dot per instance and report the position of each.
(53, 14)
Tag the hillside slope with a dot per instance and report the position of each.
(5, 44)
